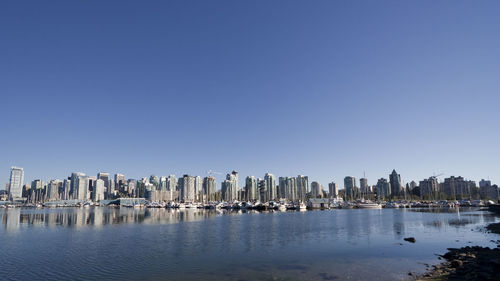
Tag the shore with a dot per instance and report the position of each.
(468, 263)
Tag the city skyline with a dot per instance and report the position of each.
(324, 89)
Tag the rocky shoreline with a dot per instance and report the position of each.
(468, 263)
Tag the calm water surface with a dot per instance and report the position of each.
(158, 244)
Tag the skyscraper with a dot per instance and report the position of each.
(282, 187)
(198, 189)
(350, 187)
(229, 187)
(291, 191)
(108, 187)
(396, 185)
(209, 189)
(302, 187)
(120, 182)
(186, 186)
(98, 193)
(270, 180)
(383, 189)
(363, 186)
(251, 189)
(316, 190)
(172, 187)
(16, 183)
(333, 189)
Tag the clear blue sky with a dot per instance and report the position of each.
(322, 88)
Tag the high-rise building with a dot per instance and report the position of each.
(333, 189)
(229, 188)
(186, 186)
(172, 187)
(396, 185)
(209, 189)
(363, 186)
(291, 190)
(457, 188)
(16, 183)
(429, 188)
(65, 194)
(36, 191)
(270, 180)
(316, 190)
(120, 182)
(251, 189)
(351, 190)
(383, 189)
(198, 189)
(302, 187)
(53, 190)
(110, 190)
(98, 193)
(261, 185)
(131, 188)
(282, 187)
(155, 181)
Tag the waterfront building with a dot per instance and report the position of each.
(65, 193)
(16, 183)
(140, 188)
(487, 190)
(302, 187)
(131, 188)
(351, 190)
(120, 183)
(186, 186)
(172, 188)
(457, 188)
(36, 191)
(98, 193)
(363, 186)
(261, 184)
(109, 189)
(271, 189)
(79, 186)
(383, 189)
(155, 181)
(163, 183)
(198, 189)
(282, 187)
(229, 188)
(291, 190)
(209, 189)
(316, 190)
(333, 189)
(53, 190)
(429, 188)
(396, 184)
(251, 189)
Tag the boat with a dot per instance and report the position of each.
(282, 207)
(302, 207)
(369, 205)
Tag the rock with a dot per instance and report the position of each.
(410, 239)
(456, 263)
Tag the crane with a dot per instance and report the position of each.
(210, 172)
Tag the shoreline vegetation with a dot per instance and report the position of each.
(468, 263)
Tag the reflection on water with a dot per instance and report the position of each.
(151, 244)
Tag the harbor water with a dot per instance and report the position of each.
(104, 243)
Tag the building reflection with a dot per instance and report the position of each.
(13, 219)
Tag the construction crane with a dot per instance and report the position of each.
(210, 173)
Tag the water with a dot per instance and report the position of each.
(158, 244)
